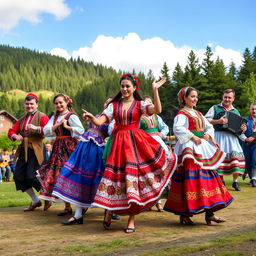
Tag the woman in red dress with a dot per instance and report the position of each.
(67, 128)
(137, 168)
(196, 186)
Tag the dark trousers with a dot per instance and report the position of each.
(25, 173)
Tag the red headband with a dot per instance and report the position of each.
(32, 95)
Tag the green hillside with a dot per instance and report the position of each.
(89, 85)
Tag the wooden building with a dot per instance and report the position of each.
(6, 121)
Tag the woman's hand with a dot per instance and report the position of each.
(197, 140)
(206, 136)
(87, 115)
(57, 124)
(216, 144)
(157, 85)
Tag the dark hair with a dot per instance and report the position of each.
(147, 97)
(28, 98)
(136, 94)
(66, 99)
(14, 148)
(5, 149)
(229, 91)
(188, 91)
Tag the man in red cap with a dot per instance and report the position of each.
(29, 131)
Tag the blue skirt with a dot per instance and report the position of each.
(81, 175)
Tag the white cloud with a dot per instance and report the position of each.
(61, 53)
(13, 11)
(131, 52)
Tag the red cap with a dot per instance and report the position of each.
(32, 95)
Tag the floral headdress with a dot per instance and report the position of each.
(134, 78)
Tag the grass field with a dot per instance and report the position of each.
(40, 233)
(9, 197)
(19, 94)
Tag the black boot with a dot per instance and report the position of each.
(236, 186)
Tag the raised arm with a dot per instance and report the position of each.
(157, 107)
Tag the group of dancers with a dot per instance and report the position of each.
(128, 174)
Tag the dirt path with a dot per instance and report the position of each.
(40, 233)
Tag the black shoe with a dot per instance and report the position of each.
(236, 186)
(73, 221)
(253, 183)
(65, 212)
(115, 217)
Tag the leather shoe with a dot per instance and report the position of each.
(115, 217)
(32, 207)
(253, 182)
(73, 220)
(236, 186)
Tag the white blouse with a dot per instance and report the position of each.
(74, 122)
(181, 124)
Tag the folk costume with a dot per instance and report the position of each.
(234, 162)
(195, 185)
(29, 154)
(64, 144)
(79, 178)
(137, 169)
(150, 124)
(250, 149)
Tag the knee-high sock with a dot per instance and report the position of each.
(78, 213)
(33, 195)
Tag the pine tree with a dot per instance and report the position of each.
(247, 67)
(248, 93)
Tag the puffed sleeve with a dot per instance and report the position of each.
(162, 126)
(210, 114)
(144, 107)
(180, 129)
(77, 127)
(208, 128)
(108, 112)
(48, 128)
(111, 127)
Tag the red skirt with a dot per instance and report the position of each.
(194, 190)
(137, 171)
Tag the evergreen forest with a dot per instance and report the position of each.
(89, 85)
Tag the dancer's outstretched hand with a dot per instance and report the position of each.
(87, 115)
(158, 84)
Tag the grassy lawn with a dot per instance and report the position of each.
(9, 197)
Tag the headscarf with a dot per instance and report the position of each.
(181, 94)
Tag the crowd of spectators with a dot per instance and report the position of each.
(7, 164)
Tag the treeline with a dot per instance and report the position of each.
(89, 85)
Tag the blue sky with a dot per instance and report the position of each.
(139, 34)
